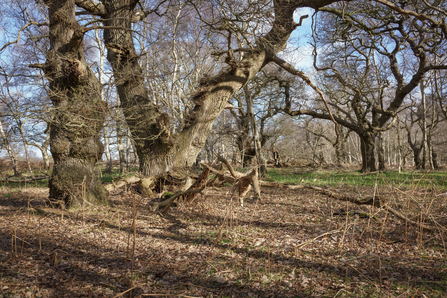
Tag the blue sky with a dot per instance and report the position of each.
(299, 52)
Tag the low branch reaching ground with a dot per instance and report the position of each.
(242, 182)
(168, 202)
(375, 201)
(189, 191)
(201, 182)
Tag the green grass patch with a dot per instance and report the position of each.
(115, 175)
(356, 179)
(24, 176)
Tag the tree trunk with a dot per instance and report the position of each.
(254, 128)
(417, 158)
(381, 152)
(128, 146)
(119, 141)
(43, 149)
(368, 158)
(78, 112)
(157, 148)
(28, 161)
(424, 127)
(399, 150)
(342, 152)
(435, 159)
(243, 141)
(8, 148)
(107, 150)
(416, 148)
(107, 153)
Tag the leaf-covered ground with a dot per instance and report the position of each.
(290, 244)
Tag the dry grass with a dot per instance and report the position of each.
(290, 244)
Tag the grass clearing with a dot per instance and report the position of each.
(357, 179)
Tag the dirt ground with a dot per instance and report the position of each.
(292, 243)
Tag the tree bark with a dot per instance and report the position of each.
(25, 147)
(381, 152)
(78, 112)
(424, 126)
(8, 148)
(119, 141)
(368, 157)
(255, 132)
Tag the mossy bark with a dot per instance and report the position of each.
(78, 115)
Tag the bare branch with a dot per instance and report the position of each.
(92, 7)
(20, 33)
(289, 68)
(141, 15)
(419, 16)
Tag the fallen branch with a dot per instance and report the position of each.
(375, 201)
(322, 235)
(122, 182)
(25, 180)
(171, 200)
(188, 188)
(242, 182)
(280, 185)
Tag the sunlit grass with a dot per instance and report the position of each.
(353, 179)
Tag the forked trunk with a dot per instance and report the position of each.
(157, 148)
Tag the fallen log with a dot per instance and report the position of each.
(123, 182)
(25, 180)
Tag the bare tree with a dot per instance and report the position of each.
(75, 92)
(371, 62)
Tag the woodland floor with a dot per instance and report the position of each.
(216, 248)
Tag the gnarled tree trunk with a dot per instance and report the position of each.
(78, 112)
